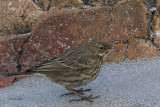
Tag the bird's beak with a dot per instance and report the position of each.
(113, 50)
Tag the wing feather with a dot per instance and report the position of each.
(59, 64)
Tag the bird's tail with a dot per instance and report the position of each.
(17, 74)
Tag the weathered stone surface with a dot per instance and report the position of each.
(10, 51)
(43, 4)
(53, 4)
(109, 2)
(138, 49)
(65, 4)
(17, 16)
(5, 81)
(129, 19)
(57, 4)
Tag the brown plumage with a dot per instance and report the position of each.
(73, 68)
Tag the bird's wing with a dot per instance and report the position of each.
(89, 60)
(59, 64)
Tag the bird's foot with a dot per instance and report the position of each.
(79, 91)
(86, 98)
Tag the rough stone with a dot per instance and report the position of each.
(129, 19)
(18, 16)
(53, 4)
(43, 4)
(6, 81)
(138, 49)
(110, 2)
(132, 23)
(10, 50)
(9, 53)
(57, 4)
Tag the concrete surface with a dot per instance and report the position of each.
(127, 84)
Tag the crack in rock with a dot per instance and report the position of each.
(19, 66)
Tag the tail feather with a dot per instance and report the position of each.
(17, 74)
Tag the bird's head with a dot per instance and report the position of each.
(102, 49)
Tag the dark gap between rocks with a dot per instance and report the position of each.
(151, 9)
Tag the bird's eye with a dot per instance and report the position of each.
(101, 47)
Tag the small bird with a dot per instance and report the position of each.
(73, 68)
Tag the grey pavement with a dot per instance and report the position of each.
(127, 84)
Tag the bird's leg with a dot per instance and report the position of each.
(80, 91)
(88, 98)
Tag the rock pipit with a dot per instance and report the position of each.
(73, 68)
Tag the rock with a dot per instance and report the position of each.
(129, 19)
(110, 2)
(5, 81)
(132, 23)
(11, 48)
(57, 4)
(138, 49)
(18, 16)
(53, 4)
(43, 4)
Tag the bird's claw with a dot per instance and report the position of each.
(88, 98)
(80, 91)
